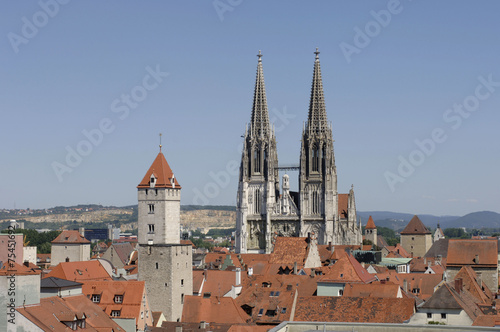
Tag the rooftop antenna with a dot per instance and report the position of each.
(160, 142)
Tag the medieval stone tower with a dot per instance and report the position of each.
(371, 231)
(164, 264)
(262, 211)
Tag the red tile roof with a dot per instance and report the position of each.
(343, 205)
(132, 292)
(51, 311)
(10, 268)
(346, 270)
(354, 309)
(415, 226)
(67, 237)
(163, 173)
(270, 292)
(376, 289)
(463, 252)
(469, 283)
(370, 224)
(213, 310)
(215, 282)
(80, 271)
(290, 250)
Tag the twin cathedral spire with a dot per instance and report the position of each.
(263, 212)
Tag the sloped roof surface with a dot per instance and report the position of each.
(346, 270)
(80, 271)
(214, 310)
(463, 252)
(438, 248)
(51, 310)
(370, 224)
(289, 250)
(416, 227)
(70, 237)
(354, 309)
(163, 173)
(53, 282)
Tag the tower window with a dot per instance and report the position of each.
(315, 158)
(151, 228)
(157, 265)
(151, 208)
(256, 160)
(182, 298)
(257, 202)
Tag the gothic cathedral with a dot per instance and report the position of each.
(263, 210)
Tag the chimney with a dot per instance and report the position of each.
(295, 268)
(425, 260)
(313, 273)
(329, 246)
(476, 259)
(250, 271)
(238, 276)
(405, 285)
(458, 285)
(205, 274)
(480, 280)
(82, 231)
(26, 263)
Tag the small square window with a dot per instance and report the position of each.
(283, 310)
(429, 315)
(443, 316)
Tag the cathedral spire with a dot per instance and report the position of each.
(260, 115)
(317, 120)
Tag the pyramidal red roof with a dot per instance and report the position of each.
(370, 224)
(415, 226)
(162, 172)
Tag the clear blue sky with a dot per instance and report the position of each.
(65, 69)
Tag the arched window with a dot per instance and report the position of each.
(257, 202)
(315, 158)
(256, 160)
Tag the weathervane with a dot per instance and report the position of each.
(160, 142)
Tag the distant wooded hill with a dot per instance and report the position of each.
(398, 221)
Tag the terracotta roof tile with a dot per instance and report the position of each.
(215, 282)
(346, 270)
(370, 224)
(70, 237)
(17, 269)
(343, 205)
(463, 252)
(354, 309)
(47, 315)
(270, 298)
(415, 226)
(163, 173)
(289, 250)
(376, 289)
(214, 310)
(132, 293)
(80, 271)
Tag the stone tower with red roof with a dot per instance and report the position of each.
(371, 231)
(263, 212)
(164, 263)
(416, 239)
(70, 246)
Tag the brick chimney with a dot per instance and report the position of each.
(476, 259)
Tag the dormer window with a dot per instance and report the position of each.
(96, 298)
(118, 298)
(115, 313)
(152, 181)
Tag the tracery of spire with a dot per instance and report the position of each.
(317, 120)
(260, 115)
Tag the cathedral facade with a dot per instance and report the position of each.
(265, 209)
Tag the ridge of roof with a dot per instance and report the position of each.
(415, 226)
(163, 173)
